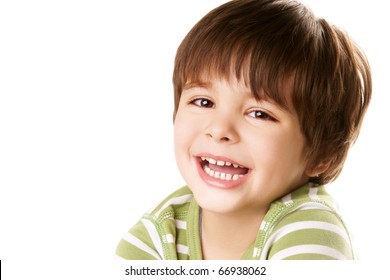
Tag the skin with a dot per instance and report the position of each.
(221, 118)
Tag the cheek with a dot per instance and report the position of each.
(183, 138)
(291, 153)
(179, 142)
(179, 148)
(181, 134)
(279, 150)
(186, 129)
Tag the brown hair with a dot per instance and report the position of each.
(265, 42)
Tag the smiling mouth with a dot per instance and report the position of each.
(222, 170)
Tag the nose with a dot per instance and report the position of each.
(222, 130)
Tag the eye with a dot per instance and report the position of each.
(203, 102)
(257, 114)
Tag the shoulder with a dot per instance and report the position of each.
(308, 227)
(308, 193)
(149, 238)
(176, 202)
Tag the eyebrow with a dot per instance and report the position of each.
(208, 85)
(191, 85)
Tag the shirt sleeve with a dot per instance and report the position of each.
(311, 234)
(139, 244)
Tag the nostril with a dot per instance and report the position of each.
(223, 139)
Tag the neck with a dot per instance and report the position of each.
(226, 236)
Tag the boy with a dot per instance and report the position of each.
(268, 100)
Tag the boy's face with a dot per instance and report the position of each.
(235, 153)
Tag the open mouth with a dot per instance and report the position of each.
(222, 170)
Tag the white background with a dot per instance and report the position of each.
(86, 106)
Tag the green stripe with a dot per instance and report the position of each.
(182, 257)
(142, 234)
(309, 257)
(311, 215)
(130, 252)
(178, 193)
(311, 236)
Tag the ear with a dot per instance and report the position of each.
(319, 169)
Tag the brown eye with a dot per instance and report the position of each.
(257, 114)
(203, 102)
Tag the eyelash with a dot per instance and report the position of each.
(200, 102)
(261, 115)
(258, 114)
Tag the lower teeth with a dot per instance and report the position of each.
(220, 175)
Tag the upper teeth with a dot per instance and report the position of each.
(220, 162)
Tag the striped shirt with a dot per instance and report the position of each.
(301, 225)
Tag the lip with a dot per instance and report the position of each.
(215, 182)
